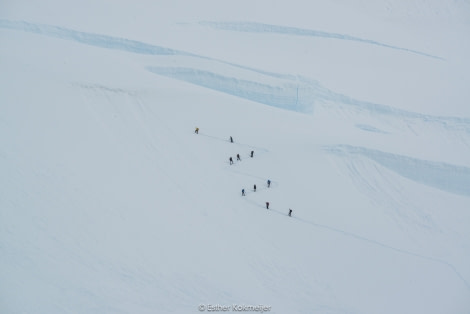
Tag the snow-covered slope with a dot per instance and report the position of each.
(358, 114)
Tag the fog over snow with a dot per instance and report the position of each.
(357, 112)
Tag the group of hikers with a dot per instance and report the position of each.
(254, 186)
(230, 160)
(268, 183)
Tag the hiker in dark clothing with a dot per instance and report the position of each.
(238, 157)
(231, 160)
(290, 212)
(254, 187)
(231, 139)
(269, 183)
(196, 131)
(267, 205)
(252, 152)
(243, 192)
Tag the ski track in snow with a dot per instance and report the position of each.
(385, 246)
(349, 234)
(252, 147)
(252, 27)
(359, 238)
(432, 173)
(451, 178)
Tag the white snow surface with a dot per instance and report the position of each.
(357, 111)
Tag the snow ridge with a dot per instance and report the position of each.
(284, 95)
(446, 177)
(96, 40)
(292, 92)
(252, 27)
(299, 94)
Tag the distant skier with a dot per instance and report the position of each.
(231, 160)
(252, 152)
(196, 131)
(231, 139)
(290, 212)
(269, 183)
(243, 192)
(238, 157)
(254, 187)
(267, 205)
